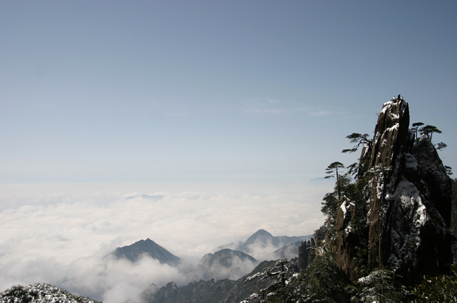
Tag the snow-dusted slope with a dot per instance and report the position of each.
(40, 293)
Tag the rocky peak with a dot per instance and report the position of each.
(390, 140)
(391, 133)
(408, 204)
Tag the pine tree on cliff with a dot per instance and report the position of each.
(358, 168)
(428, 130)
(415, 128)
(332, 172)
(359, 139)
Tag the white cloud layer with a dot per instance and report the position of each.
(61, 236)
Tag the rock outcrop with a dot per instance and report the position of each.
(41, 292)
(407, 204)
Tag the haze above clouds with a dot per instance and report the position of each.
(194, 123)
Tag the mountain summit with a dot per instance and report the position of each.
(149, 248)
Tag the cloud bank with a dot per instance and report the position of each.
(61, 236)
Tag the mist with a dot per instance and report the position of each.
(62, 237)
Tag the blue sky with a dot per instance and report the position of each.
(231, 110)
(145, 90)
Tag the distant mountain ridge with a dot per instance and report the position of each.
(282, 247)
(224, 257)
(149, 248)
(225, 264)
(210, 291)
(263, 240)
(288, 251)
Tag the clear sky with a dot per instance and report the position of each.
(221, 107)
(114, 91)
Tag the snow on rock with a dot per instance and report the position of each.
(40, 293)
(408, 215)
(343, 208)
(408, 203)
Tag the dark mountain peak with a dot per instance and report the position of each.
(146, 247)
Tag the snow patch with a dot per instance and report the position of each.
(343, 208)
(386, 106)
(392, 128)
(348, 229)
(394, 116)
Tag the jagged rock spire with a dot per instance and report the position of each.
(389, 142)
(408, 199)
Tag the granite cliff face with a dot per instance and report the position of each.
(407, 204)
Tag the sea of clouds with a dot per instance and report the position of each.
(61, 234)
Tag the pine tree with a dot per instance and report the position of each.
(332, 172)
(428, 130)
(359, 139)
(416, 127)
